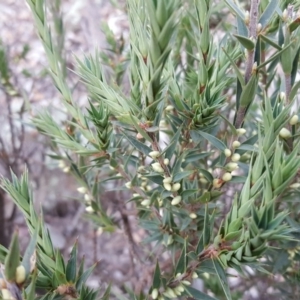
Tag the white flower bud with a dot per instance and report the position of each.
(89, 209)
(66, 169)
(166, 161)
(203, 180)
(294, 120)
(168, 186)
(236, 144)
(176, 187)
(254, 67)
(180, 288)
(154, 154)
(135, 195)
(258, 27)
(154, 294)
(146, 202)
(163, 124)
(217, 183)
(247, 18)
(170, 240)
(177, 291)
(284, 15)
(241, 131)
(139, 136)
(227, 152)
(157, 167)
(61, 164)
(295, 185)
(128, 184)
(169, 108)
(141, 168)
(185, 282)
(232, 166)
(144, 183)
(193, 215)
(194, 275)
(99, 231)
(82, 190)
(176, 200)
(235, 157)
(87, 198)
(282, 96)
(285, 133)
(170, 293)
(227, 177)
(20, 274)
(6, 294)
(167, 180)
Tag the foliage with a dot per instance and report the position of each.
(214, 190)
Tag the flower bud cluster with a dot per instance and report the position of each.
(170, 186)
(62, 165)
(176, 291)
(157, 167)
(87, 198)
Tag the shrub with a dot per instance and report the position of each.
(206, 142)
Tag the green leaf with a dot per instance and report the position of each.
(71, 269)
(83, 278)
(181, 175)
(274, 56)
(270, 42)
(188, 193)
(222, 278)
(268, 13)
(182, 262)
(169, 151)
(238, 179)
(294, 90)
(236, 69)
(294, 25)
(213, 140)
(241, 27)
(246, 42)
(30, 251)
(196, 294)
(139, 129)
(137, 144)
(32, 287)
(196, 157)
(206, 227)
(249, 91)
(156, 277)
(235, 9)
(12, 260)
